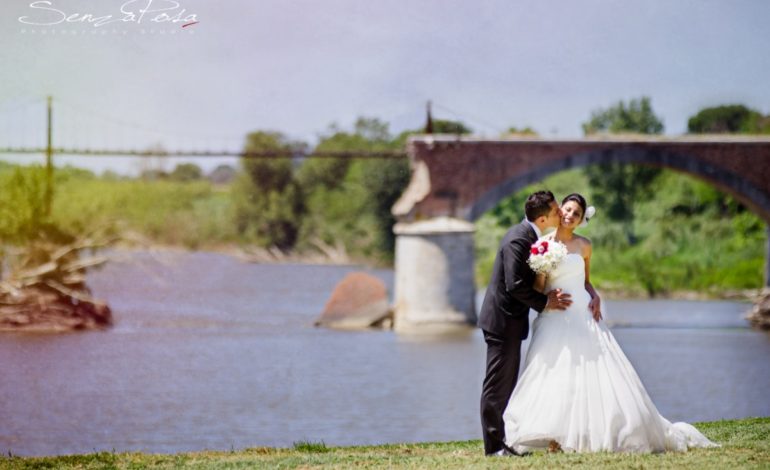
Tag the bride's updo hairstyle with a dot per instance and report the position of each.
(581, 201)
(538, 204)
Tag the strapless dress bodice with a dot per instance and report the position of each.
(569, 276)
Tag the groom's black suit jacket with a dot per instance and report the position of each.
(510, 294)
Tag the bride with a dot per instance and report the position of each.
(578, 391)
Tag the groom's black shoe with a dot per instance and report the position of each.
(505, 452)
(510, 451)
(500, 453)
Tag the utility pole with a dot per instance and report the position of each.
(429, 122)
(49, 162)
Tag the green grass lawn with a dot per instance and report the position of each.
(745, 444)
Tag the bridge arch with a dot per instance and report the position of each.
(456, 179)
(723, 179)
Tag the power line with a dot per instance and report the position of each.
(93, 151)
(466, 116)
(85, 152)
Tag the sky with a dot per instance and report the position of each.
(298, 66)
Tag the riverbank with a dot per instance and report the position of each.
(688, 242)
(332, 257)
(745, 444)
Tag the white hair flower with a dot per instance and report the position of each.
(590, 212)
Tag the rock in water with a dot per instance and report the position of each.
(41, 310)
(759, 317)
(46, 289)
(359, 301)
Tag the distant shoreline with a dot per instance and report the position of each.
(260, 255)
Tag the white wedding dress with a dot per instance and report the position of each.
(579, 389)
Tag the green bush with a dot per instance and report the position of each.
(690, 236)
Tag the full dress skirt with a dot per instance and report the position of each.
(578, 388)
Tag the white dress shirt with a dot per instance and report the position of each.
(534, 227)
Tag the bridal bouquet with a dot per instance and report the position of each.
(546, 255)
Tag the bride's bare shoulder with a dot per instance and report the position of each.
(585, 245)
(583, 240)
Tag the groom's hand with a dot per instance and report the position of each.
(558, 300)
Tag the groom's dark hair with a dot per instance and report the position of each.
(538, 204)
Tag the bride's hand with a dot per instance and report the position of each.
(595, 305)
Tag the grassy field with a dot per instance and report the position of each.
(745, 444)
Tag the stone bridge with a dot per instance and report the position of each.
(456, 179)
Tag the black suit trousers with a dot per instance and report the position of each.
(503, 359)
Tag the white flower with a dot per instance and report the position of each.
(590, 212)
(545, 255)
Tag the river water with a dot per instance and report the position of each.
(211, 353)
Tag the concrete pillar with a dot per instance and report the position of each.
(434, 289)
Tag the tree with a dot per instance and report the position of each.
(153, 164)
(268, 200)
(734, 118)
(444, 126)
(22, 201)
(726, 119)
(153, 175)
(637, 117)
(520, 131)
(616, 186)
(222, 174)
(186, 172)
(440, 126)
(23, 219)
(369, 134)
(386, 180)
(349, 200)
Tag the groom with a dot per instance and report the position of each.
(504, 316)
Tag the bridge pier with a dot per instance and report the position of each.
(434, 287)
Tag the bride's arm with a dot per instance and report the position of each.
(595, 304)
